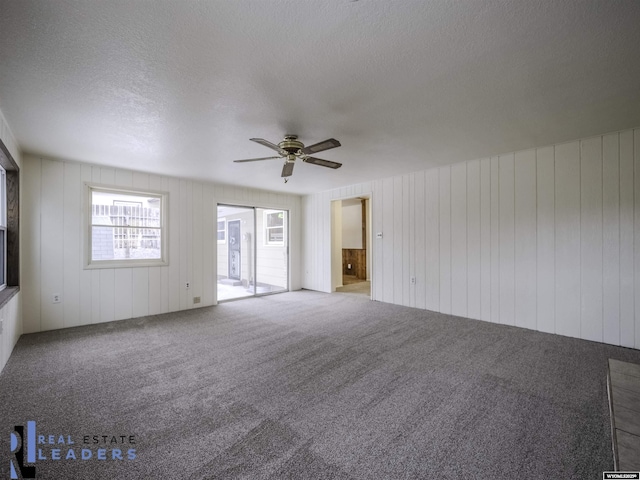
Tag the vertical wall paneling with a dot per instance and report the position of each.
(318, 271)
(568, 239)
(336, 244)
(188, 244)
(611, 239)
(459, 274)
(209, 239)
(311, 260)
(326, 239)
(445, 238)
(495, 240)
(432, 239)
(11, 316)
(485, 239)
(186, 215)
(627, 305)
(307, 247)
(123, 293)
(72, 262)
(398, 244)
(525, 239)
(85, 275)
(407, 251)
(197, 243)
(30, 224)
(636, 194)
(545, 239)
(474, 242)
(420, 242)
(316, 266)
(387, 240)
(174, 285)
(591, 239)
(507, 240)
(323, 214)
(377, 218)
(183, 242)
(52, 241)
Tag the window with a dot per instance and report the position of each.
(274, 227)
(3, 229)
(126, 228)
(222, 231)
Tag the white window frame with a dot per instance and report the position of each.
(266, 229)
(3, 225)
(224, 240)
(132, 262)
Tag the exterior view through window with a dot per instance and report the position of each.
(253, 251)
(126, 227)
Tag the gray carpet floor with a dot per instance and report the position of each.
(306, 385)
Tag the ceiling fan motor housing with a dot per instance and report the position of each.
(291, 144)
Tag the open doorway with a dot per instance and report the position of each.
(253, 251)
(351, 253)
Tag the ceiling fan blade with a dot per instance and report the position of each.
(268, 144)
(320, 146)
(287, 170)
(322, 163)
(256, 159)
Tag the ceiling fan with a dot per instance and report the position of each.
(290, 149)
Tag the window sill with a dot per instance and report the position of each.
(7, 294)
(126, 264)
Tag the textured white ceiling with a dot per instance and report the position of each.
(179, 87)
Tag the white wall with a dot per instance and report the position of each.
(336, 244)
(53, 241)
(352, 225)
(547, 239)
(10, 314)
(316, 232)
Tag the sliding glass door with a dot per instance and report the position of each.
(253, 251)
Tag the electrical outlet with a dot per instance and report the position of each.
(196, 299)
(187, 285)
(56, 298)
(413, 280)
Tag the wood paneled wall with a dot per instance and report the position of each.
(547, 239)
(53, 242)
(357, 258)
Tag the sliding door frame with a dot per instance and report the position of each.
(255, 209)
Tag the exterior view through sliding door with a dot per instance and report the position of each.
(253, 251)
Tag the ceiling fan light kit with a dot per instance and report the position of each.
(291, 148)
